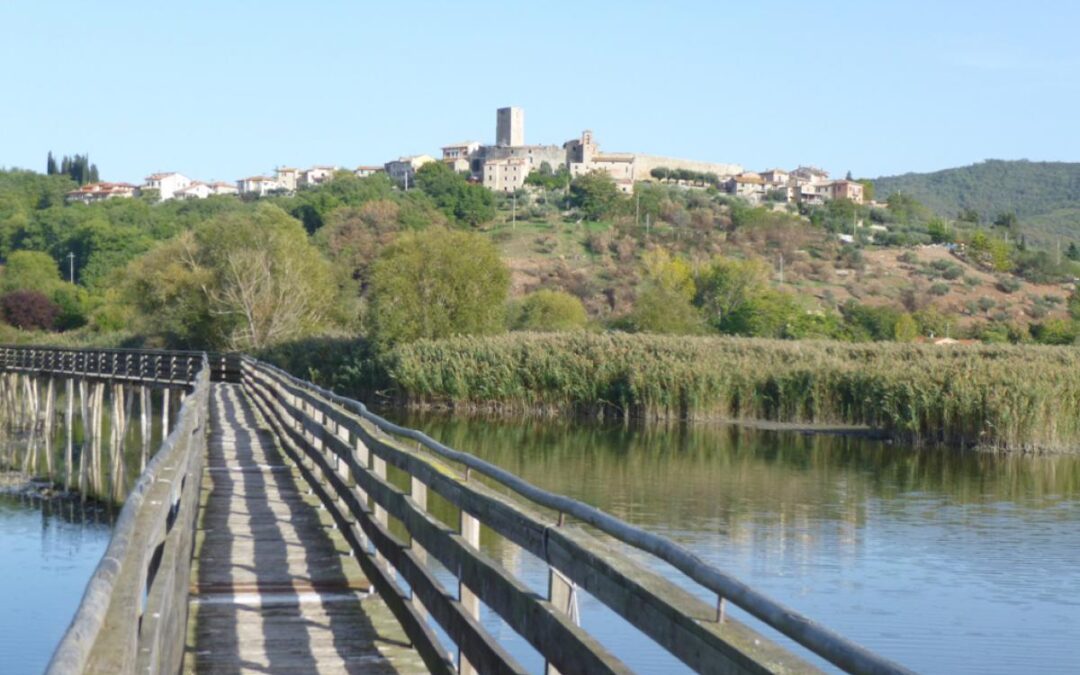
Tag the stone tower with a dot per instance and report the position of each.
(510, 126)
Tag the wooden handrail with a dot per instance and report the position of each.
(821, 641)
(148, 557)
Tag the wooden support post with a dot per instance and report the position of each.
(50, 411)
(144, 426)
(85, 452)
(164, 415)
(98, 427)
(69, 431)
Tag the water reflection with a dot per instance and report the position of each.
(945, 561)
(49, 550)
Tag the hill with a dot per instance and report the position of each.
(1045, 196)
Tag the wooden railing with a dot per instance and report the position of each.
(133, 615)
(148, 367)
(344, 451)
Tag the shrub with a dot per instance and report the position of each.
(550, 311)
(953, 272)
(29, 310)
(939, 289)
(1007, 284)
(986, 303)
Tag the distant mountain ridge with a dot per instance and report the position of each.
(1045, 196)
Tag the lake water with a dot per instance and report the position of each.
(48, 550)
(946, 562)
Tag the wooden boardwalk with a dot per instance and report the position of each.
(273, 588)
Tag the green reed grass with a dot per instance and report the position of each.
(1004, 397)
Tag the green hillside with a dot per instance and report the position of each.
(1045, 196)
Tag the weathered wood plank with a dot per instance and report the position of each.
(273, 588)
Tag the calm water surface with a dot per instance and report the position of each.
(947, 562)
(48, 550)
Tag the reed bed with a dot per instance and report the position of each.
(1024, 398)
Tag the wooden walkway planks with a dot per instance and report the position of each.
(273, 589)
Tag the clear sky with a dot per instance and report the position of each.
(226, 89)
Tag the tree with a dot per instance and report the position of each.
(241, 281)
(1006, 220)
(454, 195)
(727, 284)
(1073, 252)
(546, 310)
(50, 165)
(29, 310)
(595, 195)
(475, 205)
(437, 283)
(906, 328)
(670, 273)
(32, 270)
(938, 231)
(664, 310)
(353, 236)
(969, 215)
(768, 313)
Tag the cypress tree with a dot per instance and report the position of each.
(50, 165)
(94, 174)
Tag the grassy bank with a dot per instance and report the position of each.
(1008, 397)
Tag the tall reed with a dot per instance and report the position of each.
(1005, 397)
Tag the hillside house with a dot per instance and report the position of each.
(166, 183)
(98, 192)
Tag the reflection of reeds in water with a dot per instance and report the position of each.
(78, 433)
(784, 492)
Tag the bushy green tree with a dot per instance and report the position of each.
(906, 328)
(31, 270)
(547, 310)
(726, 285)
(437, 283)
(661, 309)
(454, 195)
(595, 195)
(241, 281)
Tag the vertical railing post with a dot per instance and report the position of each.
(470, 603)
(419, 493)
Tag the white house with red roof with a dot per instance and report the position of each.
(166, 183)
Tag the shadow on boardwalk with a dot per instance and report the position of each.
(273, 588)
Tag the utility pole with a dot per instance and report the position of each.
(781, 269)
(406, 180)
(513, 212)
(71, 267)
(637, 207)
(647, 222)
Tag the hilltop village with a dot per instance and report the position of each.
(504, 166)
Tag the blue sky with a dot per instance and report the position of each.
(222, 90)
